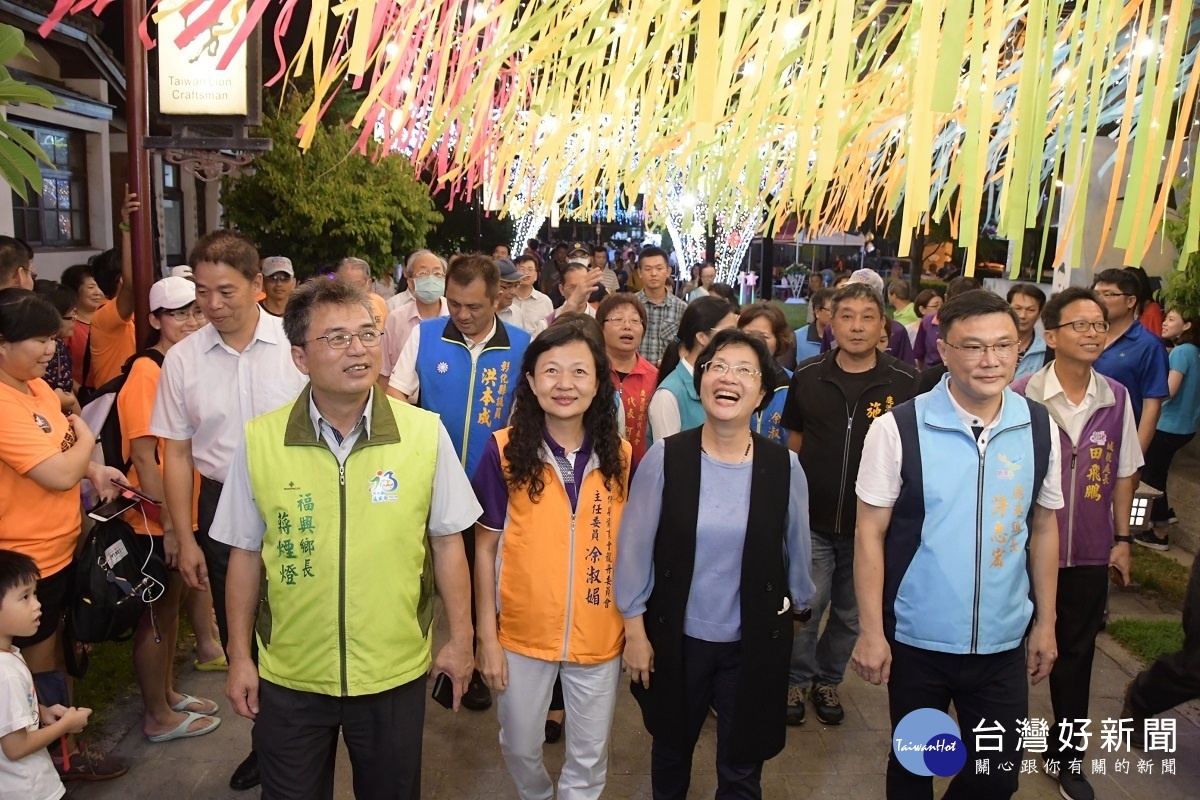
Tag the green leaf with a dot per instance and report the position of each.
(25, 141)
(17, 168)
(12, 42)
(13, 91)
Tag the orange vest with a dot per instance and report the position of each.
(555, 574)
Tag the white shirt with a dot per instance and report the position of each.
(534, 309)
(663, 417)
(401, 322)
(1074, 417)
(404, 374)
(453, 506)
(33, 777)
(208, 391)
(399, 299)
(879, 473)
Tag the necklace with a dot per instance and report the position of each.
(745, 455)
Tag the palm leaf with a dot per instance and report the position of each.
(19, 153)
(18, 168)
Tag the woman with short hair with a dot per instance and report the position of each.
(767, 321)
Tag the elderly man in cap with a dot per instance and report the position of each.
(506, 309)
(279, 281)
(898, 344)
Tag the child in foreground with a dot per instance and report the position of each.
(25, 767)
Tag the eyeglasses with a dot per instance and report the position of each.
(438, 274)
(974, 352)
(69, 317)
(739, 371)
(633, 322)
(184, 314)
(341, 341)
(1111, 295)
(32, 272)
(1081, 326)
(281, 277)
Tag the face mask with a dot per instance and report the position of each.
(429, 288)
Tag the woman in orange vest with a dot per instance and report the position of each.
(552, 487)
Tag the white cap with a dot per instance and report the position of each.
(869, 277)
(172, 293)
(274, 264)
(182, 271)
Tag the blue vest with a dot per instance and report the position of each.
(691, 413)
(766, 422)
(473, 400)
(956, 575)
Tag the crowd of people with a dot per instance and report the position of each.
(602, 471)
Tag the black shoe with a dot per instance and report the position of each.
(1073, 786)
(553, 731)
(1148, 539)
(827, 704)
(795, 705)
(1137, 735)
(477, 697)
(246, 775)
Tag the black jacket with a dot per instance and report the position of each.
(759, 724)
(834, 430)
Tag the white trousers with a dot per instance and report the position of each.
(589, 698)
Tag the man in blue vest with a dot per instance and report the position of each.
(465, 369)
(957, 552)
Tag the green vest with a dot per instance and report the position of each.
(348, 602)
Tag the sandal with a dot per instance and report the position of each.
(189, 700)
(216, 665)
(181, 731)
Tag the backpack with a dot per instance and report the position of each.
(100, 414)
(118, 574)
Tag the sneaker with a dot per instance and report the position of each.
(827, 704)
(1137, 735)
(88, 765)
(477, 697)
(1148, 539)
(1171, 518)
(795, 705)
(1075, 787)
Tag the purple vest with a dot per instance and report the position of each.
(1089, 473)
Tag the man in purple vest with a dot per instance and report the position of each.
(1097, 427)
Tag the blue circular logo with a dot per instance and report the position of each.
(927, 742)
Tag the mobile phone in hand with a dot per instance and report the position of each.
(136, 492)
(113, 508)
(443, 690)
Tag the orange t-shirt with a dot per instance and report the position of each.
(135, 404)
(41, 523)
(113, 342)
(378, 309)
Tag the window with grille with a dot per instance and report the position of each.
(58, 216)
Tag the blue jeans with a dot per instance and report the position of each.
(824, 660)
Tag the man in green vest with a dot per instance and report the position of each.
(349, 504)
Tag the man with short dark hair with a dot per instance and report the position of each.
(1027, 302)
(534, 305)
(663, 309)
(16, 264)
(831, 402)
(956, 549)
(349, 504)
(1095, 421)
(900, 298)
(112, 337)
(809, 338)
(213, 383)
(1132, 355)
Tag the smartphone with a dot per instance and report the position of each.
(135, 491)
(113, 508)
(443, 690)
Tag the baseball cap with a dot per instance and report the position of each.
(273, 264)
(584, 262)
(182, 271)
(172, 293)
(869, 277)
(508, 270)
(579, 247)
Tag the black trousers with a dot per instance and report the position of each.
(984, 688)
(1174, 678)
(711, 674)
(296, 734)
(1082, 593)
(1159, 455)
(216, 554)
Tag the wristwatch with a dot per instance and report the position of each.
(802, 615)
(1123, 539)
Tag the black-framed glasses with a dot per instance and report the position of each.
(974, 352)
(1111, 295)
(341, 341)
(1081, 326)
(32, 272)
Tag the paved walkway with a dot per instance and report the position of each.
(462, 758)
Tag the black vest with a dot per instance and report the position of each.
(766, 645)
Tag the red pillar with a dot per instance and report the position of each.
(137, 120)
